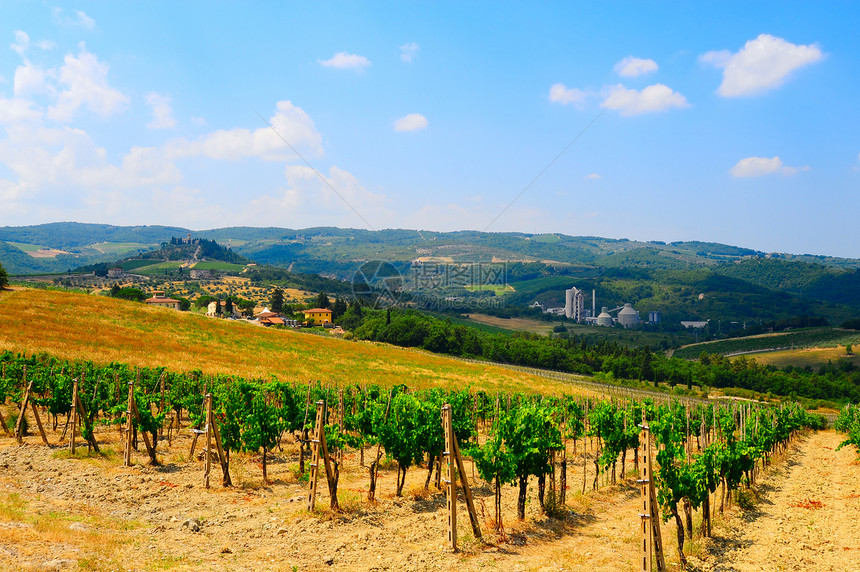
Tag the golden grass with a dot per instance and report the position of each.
(813, 357)
(86, 327)
(521, 324)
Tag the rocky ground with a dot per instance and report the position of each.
(89, 512)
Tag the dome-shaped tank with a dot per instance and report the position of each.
(628, 317)
(604, 319)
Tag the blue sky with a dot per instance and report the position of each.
(733, 122)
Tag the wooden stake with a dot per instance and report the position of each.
(208, 452)
(225, 468)
(315, 455)
(450, 489)
(467, 491)
(329, 473)
(74, 420)
(651, 535)
(91, 439)
(39, 423)
(128, 424)
(3, 423)
(646, 546)
(19, 427)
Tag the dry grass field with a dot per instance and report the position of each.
(88, 327)
(521, 324)
(812, 357)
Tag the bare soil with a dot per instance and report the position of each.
(807, 515)
(89, 512)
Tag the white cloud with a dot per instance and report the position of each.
(86, 84)
(634, 67)
(592, 176)
(343, 60)
(408, 52)
(198, 121)
(21, 43)
(31, 79)
(290, 122)
(309, 201)
(760, 166)
(653, 98)
(162, 113)
(559, 93)
(17, 110)
(411, 122)
(761, 65)
(45, 45)
(80, 19)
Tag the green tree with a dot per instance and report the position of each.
(276, 301)
(322, 301)
(338, 309)
(228, 306)
(4, 278)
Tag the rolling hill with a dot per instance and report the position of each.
(729, 285)
(133, 333)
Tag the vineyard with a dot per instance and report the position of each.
(798, 339)
(540, 461)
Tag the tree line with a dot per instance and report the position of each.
(575, 354)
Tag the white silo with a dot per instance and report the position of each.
(628, 317)
(604, 319)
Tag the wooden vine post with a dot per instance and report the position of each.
(652, 539)
(454, 459)
(74, 421)
(319, 447)
(19, 427)
(128, 425)
(208, 449)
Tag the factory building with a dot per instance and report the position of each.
(574, 304)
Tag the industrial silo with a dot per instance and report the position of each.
(628, 317)
(604, 319)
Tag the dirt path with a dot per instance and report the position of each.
(808, 517)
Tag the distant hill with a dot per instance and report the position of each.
(201, 252)
(684, 280)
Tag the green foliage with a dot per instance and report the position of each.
(133, 294)
(276, 301)
(848, 422)
(4, 277)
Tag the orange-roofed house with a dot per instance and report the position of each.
(159, 299)
(318, 315)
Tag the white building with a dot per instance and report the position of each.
(574, 304)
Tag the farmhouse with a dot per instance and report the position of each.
(269, 318)
(318, 315)
(211, 310)
(159, 299)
